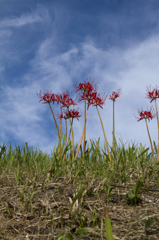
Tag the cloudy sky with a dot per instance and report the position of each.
(52, 44)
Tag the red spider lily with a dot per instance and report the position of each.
(93, 98)
(64, 100)
(98, 101)
(68, 102)
(115, 95)
(60, 116)
(47, 98)
(145, 115)
(62, 97)
(152, 95)
(72, 114)
(89, 96)
(87, 86)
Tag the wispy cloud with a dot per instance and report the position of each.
(37, 16)
(19, 38)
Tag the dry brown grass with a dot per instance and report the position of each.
(49, 213)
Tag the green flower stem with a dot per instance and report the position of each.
(158, 130)
(67, 141)
(72, 134)
(69, 134)
(113, 129)
(81, 137)
(104, 134)
(55, 121)
(60, 119)
(84, 126)
(150, 142)
(66, 132)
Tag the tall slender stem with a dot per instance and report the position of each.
(104, 133)
(69, 134)
(55, 121)
(60, 119)
(67, 141)
(84, 125)
(113, 129)
(150, 142)
(72, 134)
(158, 130)
(66, 132)
(81, 137)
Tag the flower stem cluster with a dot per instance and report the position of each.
(90, 97)
(65, 101)
(152, 95)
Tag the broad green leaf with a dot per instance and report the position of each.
(138, 187)
(64, 236)
(108, 229)
(148, 222)
(131, 196)
(82, 231)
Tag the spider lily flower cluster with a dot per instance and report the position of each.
(72, 114)
(147, 115)
(152, 95)
(89, 95)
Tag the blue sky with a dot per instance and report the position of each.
(52, 44)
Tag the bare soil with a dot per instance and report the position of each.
(41, 210)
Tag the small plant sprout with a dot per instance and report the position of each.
(18, 175)
(147, 115)
(133, 195)
(109, 190)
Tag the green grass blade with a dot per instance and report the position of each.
(108, 227)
